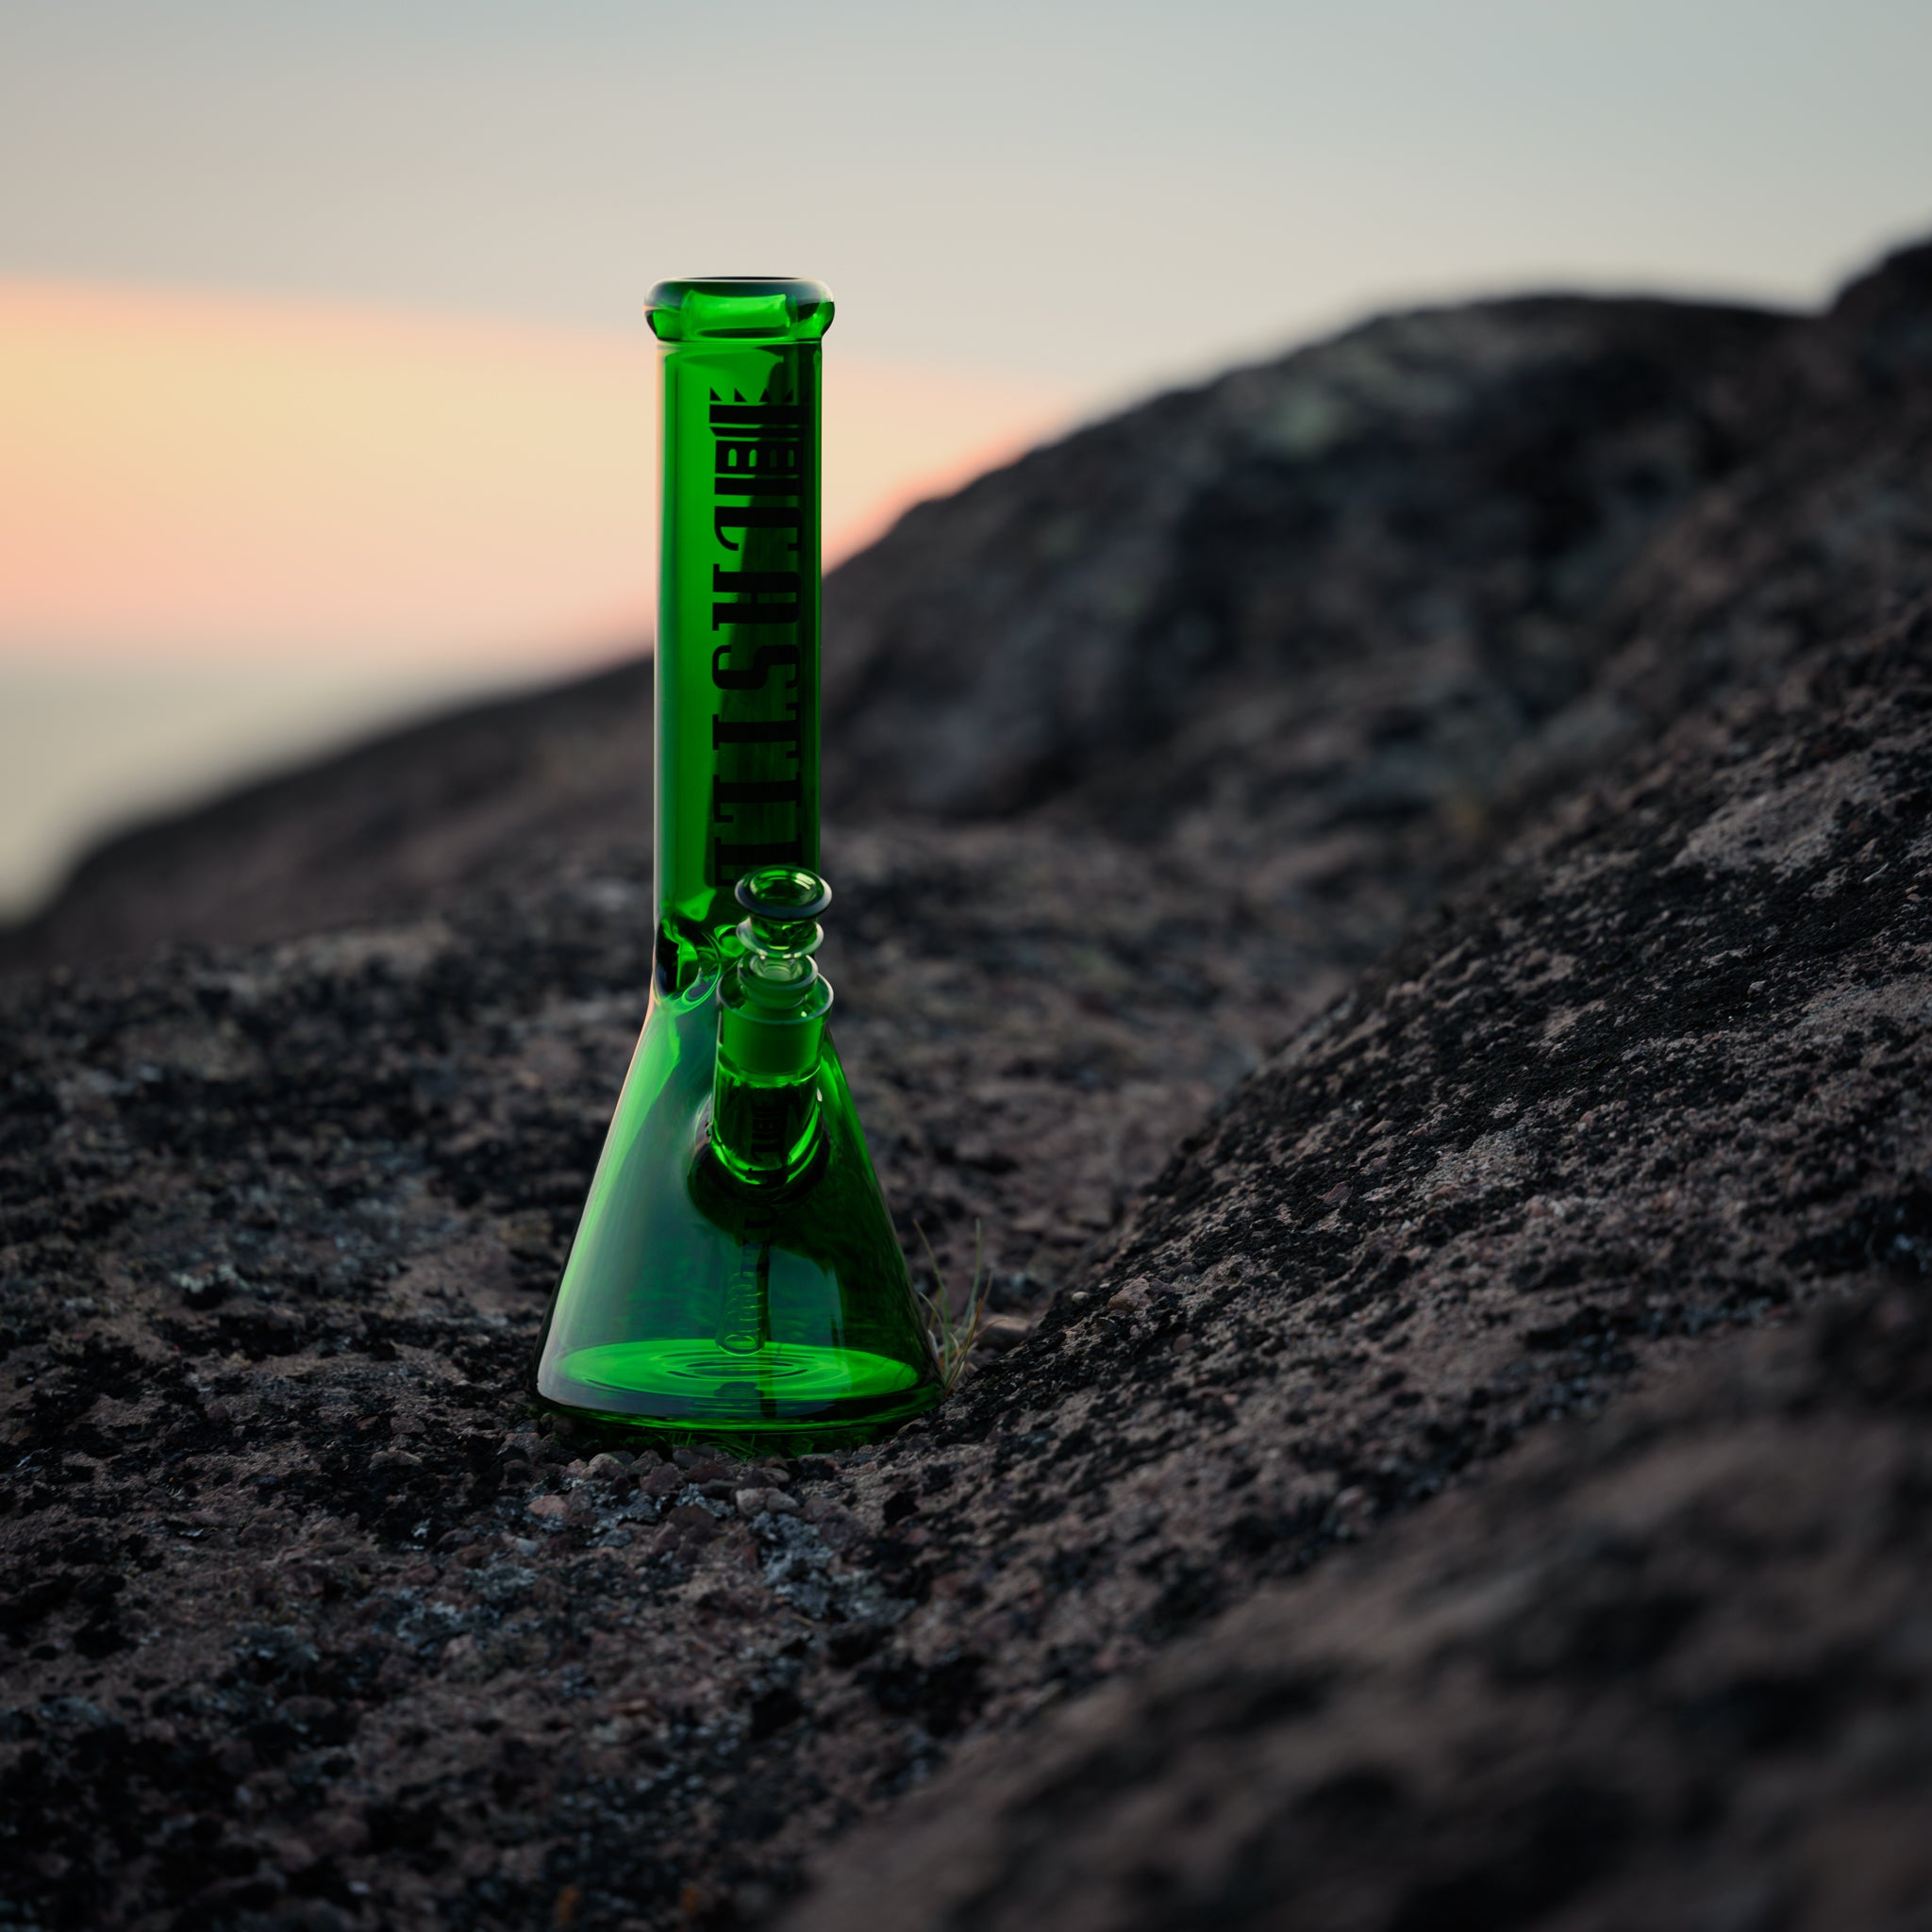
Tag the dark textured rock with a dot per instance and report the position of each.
(307, 1619)
(1672, 1670)
(1669, 1072)
(408, 819)
(1323, 595)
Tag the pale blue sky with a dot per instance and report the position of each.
(1103, 195)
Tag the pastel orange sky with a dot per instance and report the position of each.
(189, 474)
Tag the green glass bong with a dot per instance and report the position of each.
(734, 1274)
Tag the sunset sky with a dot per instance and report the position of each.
(322, 374)
(202, 476)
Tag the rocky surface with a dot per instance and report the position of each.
(407, 819)
(1672, 1670)
(1323, 596)
(1494, 981)
(1669, 1072)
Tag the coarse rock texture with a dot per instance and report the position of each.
(1505, 988)
(1324, 600)
(1479, 1195)
(372, 835)
(1673, 1671)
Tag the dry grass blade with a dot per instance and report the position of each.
(953, 1335)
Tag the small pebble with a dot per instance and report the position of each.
(1000, 1333)
(697, 1525)
(766, 1502)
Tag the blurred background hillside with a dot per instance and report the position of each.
(324, 397)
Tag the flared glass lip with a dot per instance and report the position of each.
(773, 308)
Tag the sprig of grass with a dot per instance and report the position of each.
(953, 1335)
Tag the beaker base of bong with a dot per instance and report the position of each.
(789, 1390)
(755, 1322)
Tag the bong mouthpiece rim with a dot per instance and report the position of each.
(749, 308)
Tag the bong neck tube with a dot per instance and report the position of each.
(737, 670)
